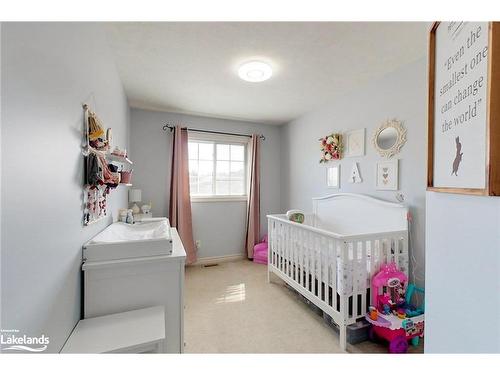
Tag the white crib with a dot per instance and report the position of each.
(331, 258)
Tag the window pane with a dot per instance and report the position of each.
(206, 151)
(222, 170)
(193, 168)
(193, 185)
(205, 168)
(237, 170)
(205, 172)
(237, 152)
(205, 185)
(193, 150)
(237, 188)
(222, 152)
(222, 188)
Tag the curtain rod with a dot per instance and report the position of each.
(171, 128)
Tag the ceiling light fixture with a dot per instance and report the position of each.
(255, 71)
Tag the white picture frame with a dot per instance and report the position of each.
(333, 176)
(354, 143)
(387, 175)
(462, 128)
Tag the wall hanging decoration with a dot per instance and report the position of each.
(355, 177)
(101, 168)
(389, 138)
(464, 108)
(355, 143)
(95, 202)
(387, 175)
(333, 176)
(331, 147)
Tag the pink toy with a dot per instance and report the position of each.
(260, 251)
(393, 281)
(392, 324)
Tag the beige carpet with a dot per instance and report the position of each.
(231, 308)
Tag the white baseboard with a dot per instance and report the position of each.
(221, 259)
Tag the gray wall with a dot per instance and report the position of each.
(463, 274)
(219, 226)
(401, 94)
(48, 71)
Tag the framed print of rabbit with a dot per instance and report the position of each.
(463, 146)
(458, 157)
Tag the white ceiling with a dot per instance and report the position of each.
(192, 67)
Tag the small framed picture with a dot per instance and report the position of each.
(387, 175)
(333, 176)
(355, 143)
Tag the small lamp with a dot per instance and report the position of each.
(134, 196)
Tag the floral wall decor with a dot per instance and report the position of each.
(331, 147)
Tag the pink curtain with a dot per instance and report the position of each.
(253, 210)
(180, 201)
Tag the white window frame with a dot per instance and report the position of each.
(226, 140)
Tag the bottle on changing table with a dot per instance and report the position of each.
(122, 213)
(130, 217)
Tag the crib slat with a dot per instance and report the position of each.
(405, 253)
(343, 296)
(282, 247)
(364, 264)
(319, 252)
(313, 264)
(295, 253)
(310, 256)
(388, 250)
(373, 258)
(334, 273)
(286, 249)
(290, 250)
(300, 263)
(307, 258)
(326, 274)
(355, 276)
(396, 252)
(380, 254)
(318, 265)
(326, 270)
(276, 244)
(271, 241)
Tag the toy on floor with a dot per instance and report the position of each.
(397, 320)
(260, 251)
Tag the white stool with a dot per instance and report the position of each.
(136, 331)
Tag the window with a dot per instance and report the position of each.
(217, 167)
